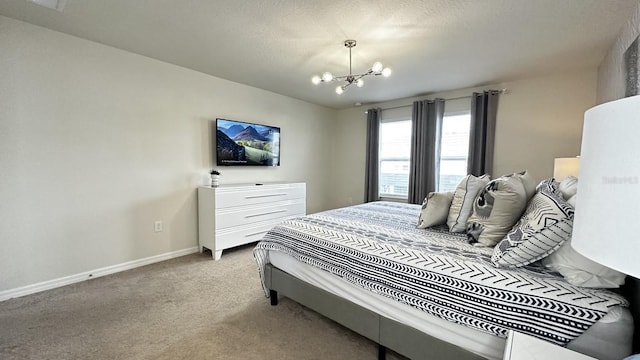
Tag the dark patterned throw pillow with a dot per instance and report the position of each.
(546, 224)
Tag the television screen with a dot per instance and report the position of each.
(241, 143)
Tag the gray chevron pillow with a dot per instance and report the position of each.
(545, 225)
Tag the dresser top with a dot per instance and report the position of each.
(256, 185)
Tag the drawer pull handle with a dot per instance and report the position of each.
(265, 213)
(261, 196)
(256, 233)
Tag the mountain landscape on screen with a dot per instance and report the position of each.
(233, 130)
(239, 143)
(249, 134)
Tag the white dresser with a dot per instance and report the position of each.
(233, 215)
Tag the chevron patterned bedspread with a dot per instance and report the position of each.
(376, 246)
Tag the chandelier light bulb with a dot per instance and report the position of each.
(339, 90)
(326, 77)
(386, 72)
(359, 83)
(377, 67)
(316, 80)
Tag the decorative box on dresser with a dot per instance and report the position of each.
(233, 215)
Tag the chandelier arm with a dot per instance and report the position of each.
(339, 78)
(356, 76)
(360, 76)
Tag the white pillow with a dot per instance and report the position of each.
(546, 224)
(498, 206)
(462, 204)
(435, 209)
(529, 184)
(568, 187)
(580, 271)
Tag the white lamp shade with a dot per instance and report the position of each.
(565, 167)
(608, 201)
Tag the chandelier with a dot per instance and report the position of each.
(376, 69)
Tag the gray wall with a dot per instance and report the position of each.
(98, 143)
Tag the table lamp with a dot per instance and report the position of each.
(565, 167)
(608, 201)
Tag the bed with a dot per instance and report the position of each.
(428, 293)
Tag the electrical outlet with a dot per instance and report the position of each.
(157, 226)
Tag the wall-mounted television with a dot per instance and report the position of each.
(246, 144)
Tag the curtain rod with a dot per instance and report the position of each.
(501, 91)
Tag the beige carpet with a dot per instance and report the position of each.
(186, 308)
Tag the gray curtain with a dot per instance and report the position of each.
(425, 148)
(484, 107)
(371, 192)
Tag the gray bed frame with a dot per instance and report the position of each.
(387, 333)
(390, 334)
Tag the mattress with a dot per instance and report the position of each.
(609, 338)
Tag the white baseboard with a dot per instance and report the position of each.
(55, 283)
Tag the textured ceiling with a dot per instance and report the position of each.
(277, 45)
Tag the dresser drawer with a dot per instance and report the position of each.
(246, 234)
(236, 216)
(230, 197)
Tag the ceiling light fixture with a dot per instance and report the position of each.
(376, 69)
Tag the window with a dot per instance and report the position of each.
(395, 152)
(454, 150)
(395, 149)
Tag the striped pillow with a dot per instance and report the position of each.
(546, 224)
